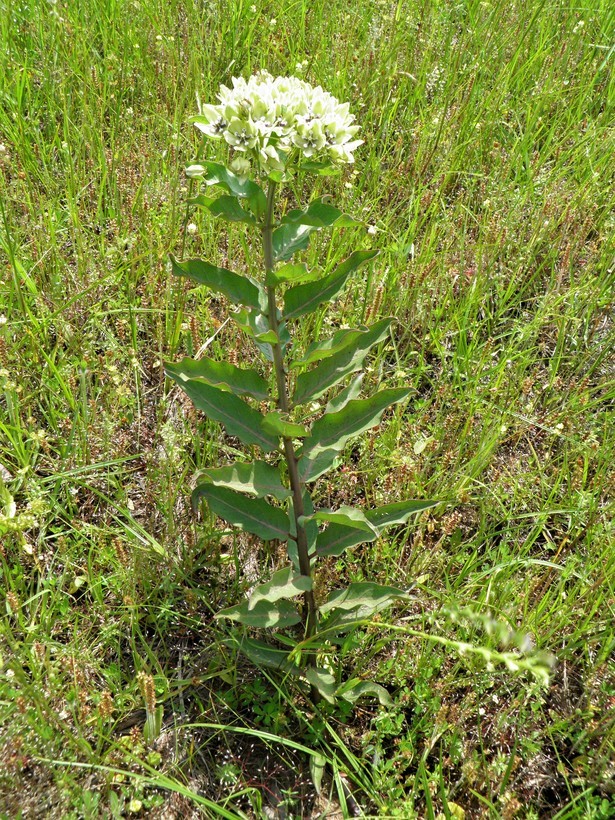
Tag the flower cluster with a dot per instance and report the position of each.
(272, 121)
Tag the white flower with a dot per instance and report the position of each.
(275, 121)
(191, 227)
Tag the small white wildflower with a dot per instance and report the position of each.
(253, 8)
(159, 37)
(3, 320)
(372, 230)
(191, 227)
(2, 148)
(273, 22)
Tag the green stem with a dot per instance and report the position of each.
(296, 485)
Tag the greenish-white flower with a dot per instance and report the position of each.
(274, 122)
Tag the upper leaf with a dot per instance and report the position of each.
(333, 430)
(239, 418)
(292, 272)
(226, 376)
(239, 289)
(276, 424)
(320, 214)
(250, 514)
(306, 298)
(363, 599)
(285, 583)
(263, 615)
(226, 206)
(255, 324)
(288, 239)
(313, 383)
(347, 517)
(255, 478)
(213, 173)
(337, 538)
(318, 351)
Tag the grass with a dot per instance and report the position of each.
(487, 174)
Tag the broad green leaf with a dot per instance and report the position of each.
(213, 173)
(317, 770)
(336, 538)
(256, 325)
(333, 430)
(255, 478)
(288, 239)
(263, 615)
(320, 214)
(250, 514)
(313, 466)
(262, 654)
(224, 375)
(323, 681)
(239, 418)
(226, 206)
(277, 425)
(362, 599)
(285, 583)
(237, 288)
(292, 272)
(397, 513)
(354, 689)
(313, 383)
(346, 517)
(323, 168)
(328, 347)
(349, 393)
(306, 298)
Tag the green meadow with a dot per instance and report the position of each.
(486, 182)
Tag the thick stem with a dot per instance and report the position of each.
(296, 484)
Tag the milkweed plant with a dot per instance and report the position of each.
(275, 129)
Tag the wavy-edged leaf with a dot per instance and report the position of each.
(337, 538)
(254, 478)
(276, 424)
(306, 298)
(285, 583)
(262, 654)
(213, 173)
(362, 599)
(250, 514)
(350, 392)
(313, 383)
(288, 239)
(333, 430)
(320, 214)
(255, 324)
(346, 517)
(226, 376)
(318, 351)
(239, 418)
(354, 689)
(323, 681)
(237, 288)
(226, 206)
(313, 466)
(292, 272)
(263, 615)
